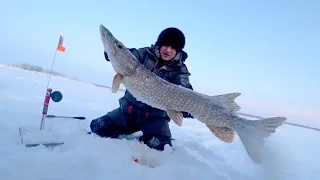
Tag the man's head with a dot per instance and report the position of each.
(170, 41)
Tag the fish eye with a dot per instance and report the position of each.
(119, 46)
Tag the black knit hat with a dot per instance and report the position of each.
(171, 36)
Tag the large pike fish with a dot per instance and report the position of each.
(218, 113)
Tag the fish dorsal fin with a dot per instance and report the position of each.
(176, 116)
(228, 100)
(223, 133)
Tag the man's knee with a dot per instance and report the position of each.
(156, 134)
(156, 127)
(106, 127)
(156, 142)
(98, 124)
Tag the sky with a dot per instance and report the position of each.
(267, 50)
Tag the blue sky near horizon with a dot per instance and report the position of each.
(269, 51)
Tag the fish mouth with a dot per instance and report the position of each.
(108, 40)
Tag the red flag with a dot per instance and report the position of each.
(60, 46)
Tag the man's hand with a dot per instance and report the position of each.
(106, 56)
(187, 115)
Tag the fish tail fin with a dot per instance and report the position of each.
(253, 132)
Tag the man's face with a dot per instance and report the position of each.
(167, 52)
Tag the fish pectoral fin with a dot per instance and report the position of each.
(116, 83)
(229, 100)
(176, 116)
(225, 134)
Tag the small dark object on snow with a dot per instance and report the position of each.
(67, 117)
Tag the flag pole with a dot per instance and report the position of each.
(49, 90)
(47, 96)
(54, 57)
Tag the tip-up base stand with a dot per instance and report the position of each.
(31, 137)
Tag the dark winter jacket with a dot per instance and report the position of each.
(174, 71)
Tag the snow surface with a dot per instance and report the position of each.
(291, 153)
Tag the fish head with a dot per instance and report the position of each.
(122, 60)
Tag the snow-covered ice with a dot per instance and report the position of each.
(291, 153)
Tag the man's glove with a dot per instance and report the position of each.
(187, 115)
